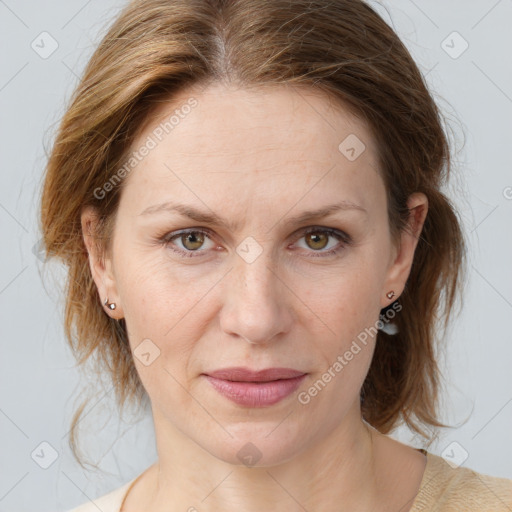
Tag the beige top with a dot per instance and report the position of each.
(442, 489)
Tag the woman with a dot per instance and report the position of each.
(248, 197)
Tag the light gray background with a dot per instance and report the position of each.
(39, 382)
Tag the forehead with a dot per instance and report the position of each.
(224, 115)
(256, 142)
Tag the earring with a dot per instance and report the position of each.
(111, 305)
(385, 325)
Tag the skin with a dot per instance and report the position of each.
(259, 156)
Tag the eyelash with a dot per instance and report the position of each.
(340, 235)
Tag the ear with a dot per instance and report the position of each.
(403, 256)
(100, 265)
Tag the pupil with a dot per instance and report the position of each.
(191, 237)
(316, 240)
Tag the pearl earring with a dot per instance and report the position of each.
(390, 294)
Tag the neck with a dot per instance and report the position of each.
(339, 468)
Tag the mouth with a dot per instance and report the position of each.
(242, 374)
(255, 388)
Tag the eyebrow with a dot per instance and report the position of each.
(213, 219)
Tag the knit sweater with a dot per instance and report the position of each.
(442, 489)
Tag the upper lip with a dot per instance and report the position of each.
(242, 374)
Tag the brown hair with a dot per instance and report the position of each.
(342, 48)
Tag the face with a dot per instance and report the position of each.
(247, 282)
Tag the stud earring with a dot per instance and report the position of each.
(390, 294)
(111, 305)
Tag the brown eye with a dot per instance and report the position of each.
(192, 240)
(191, 243)
(188, 243)
(317, 239)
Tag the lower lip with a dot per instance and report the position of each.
(254, 394)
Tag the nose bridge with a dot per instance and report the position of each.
(255, 308)
(254, 267)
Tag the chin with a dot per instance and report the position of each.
(256, 445)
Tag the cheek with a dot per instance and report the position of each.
(349, 299)
(348, 308)
(151, 287)
(165, 307)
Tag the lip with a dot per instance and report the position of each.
(255, 388)
(243, 374)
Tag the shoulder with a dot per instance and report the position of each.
(110, 502)
(445, 489)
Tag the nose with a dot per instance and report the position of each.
(257, 305)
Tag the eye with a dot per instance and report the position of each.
(317, 237)
(191, 241)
